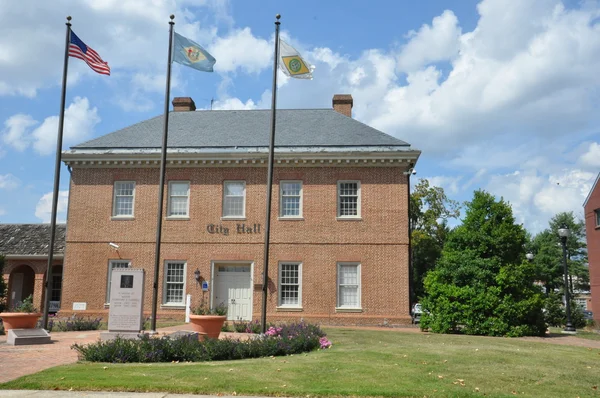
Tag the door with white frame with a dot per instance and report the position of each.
(232, 287)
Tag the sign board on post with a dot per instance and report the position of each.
(126, 300)
(205, 286)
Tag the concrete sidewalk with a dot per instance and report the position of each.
(73, 394)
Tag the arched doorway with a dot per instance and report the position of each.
(21, 282)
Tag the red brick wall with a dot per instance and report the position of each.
(593, 243)
(39, 268)
(378, 241)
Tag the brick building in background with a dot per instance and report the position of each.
(591, 208)
(25, 248)
(339, 230)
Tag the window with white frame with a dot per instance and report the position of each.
(179, 199)
(290, 193)
(290, 287)
(174, 283)
(349, 199)
(348, 289)
(234, 199)
(124, 196)
(113, 264)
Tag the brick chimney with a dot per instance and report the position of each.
(342, 103)
(183, 104)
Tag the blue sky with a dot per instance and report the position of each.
(498, 95)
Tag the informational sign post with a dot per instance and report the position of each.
(126, 300)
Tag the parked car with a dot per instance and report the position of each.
(588, 315)
(415, 313)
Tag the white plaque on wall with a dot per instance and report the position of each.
(79, 306)
(126, 300)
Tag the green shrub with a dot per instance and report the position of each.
(75, 324)
(254, 327)
(25, 306)
(289, 339)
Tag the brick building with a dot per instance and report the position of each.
(592, 230)
(339, 232)
(25, 249)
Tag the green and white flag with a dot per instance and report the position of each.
(292, 64)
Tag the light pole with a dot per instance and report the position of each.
(529, 257)
(564, 234)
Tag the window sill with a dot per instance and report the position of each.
(233, 218)
(177, 218)
(122, 218)
(348, 218)
(342, 310)
(289, 309)
(172, 306)
(290, 218)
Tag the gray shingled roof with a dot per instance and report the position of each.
(247, 128)
(30, 239)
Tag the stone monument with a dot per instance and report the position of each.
(125, 315)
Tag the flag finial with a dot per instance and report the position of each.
(171, 22)
(277, 16)
(68, 20)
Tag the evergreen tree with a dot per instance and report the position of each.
(482, 284)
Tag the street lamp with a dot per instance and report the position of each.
(529, 256)
(564, 234)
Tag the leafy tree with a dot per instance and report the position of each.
(548, 255)
(2, 285)
(482, 284)
(430, 210)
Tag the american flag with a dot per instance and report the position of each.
(78, 49)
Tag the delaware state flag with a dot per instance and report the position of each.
(190, 53)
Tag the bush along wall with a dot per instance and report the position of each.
(278, 341)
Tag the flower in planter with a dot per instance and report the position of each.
(204, 309)
(25, 306)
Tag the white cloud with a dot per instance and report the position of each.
(43, 209)
(9, 181)
(241, 50)
(15, 131)
(79, 124)
(592, 156)
(432, 43)
(2, 211)
(449, 184)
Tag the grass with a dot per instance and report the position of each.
(361, 363)
(587, 333)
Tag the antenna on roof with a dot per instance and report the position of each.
(211, 103)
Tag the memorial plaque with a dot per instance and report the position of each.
(27, 337)
(126, 300)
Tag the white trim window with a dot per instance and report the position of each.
(114, 264)
(348, 286)
(174, 285)
(234, 199)
(290, 284)
(123, 199)
(348, 199)
(290, 199)
(179, 199)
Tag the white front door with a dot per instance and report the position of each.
(16, 294)
(233, 289)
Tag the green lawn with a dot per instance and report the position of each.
(361, 363)
(587, 334)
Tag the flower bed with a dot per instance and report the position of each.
(287, 339)
(74, 323)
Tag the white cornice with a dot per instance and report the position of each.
(247, 157)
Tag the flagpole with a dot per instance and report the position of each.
(161, 186)
(59, 140)
(270, 180)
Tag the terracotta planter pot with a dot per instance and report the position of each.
(19, 320)
(209, 324)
